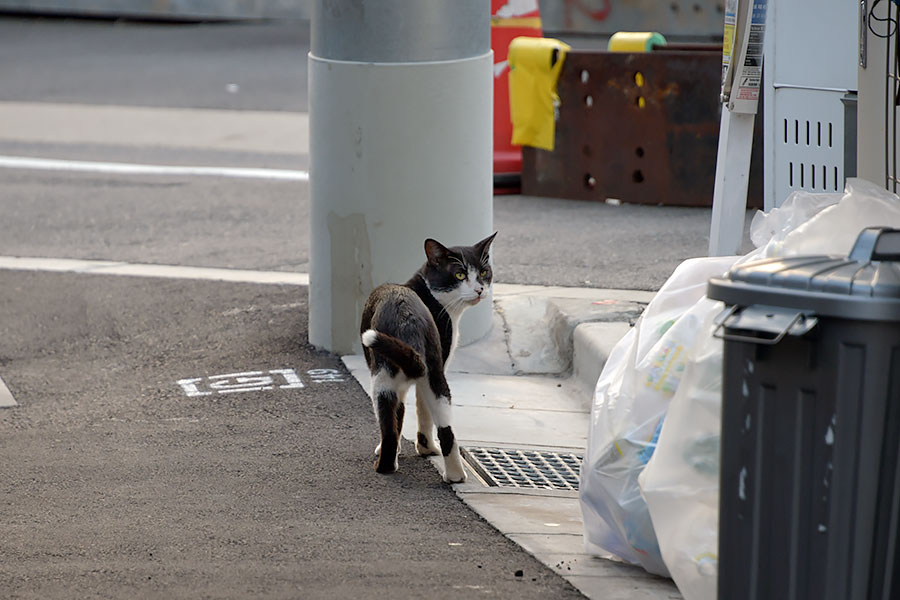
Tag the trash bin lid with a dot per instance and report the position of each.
(864, 286)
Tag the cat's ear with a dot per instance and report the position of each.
(484, 245)
(435, 251)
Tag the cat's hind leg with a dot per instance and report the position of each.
(387, 400)
(437, 396)
(425, 444)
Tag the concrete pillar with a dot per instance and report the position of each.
(400, 96)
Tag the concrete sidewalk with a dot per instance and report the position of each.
(523, 395)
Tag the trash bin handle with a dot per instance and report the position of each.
(722, 319)
(876, 243)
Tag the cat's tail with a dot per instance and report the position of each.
(395, 350)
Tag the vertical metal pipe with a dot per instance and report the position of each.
(888, 86)
(400, 149)
(894, 74)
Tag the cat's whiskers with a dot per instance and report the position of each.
(453, 304)
(457, 303)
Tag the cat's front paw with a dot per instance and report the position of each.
(425, 446)
(454, 476)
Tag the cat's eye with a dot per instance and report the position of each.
(460, 275)
(483, 273)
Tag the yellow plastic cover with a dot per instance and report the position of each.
(635, 41)
(534, 66)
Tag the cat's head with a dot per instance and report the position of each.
(460, 276)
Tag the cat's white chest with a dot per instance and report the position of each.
(454, 340)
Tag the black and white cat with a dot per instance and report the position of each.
(409, 333)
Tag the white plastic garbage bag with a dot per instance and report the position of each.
(630, 400)
(768, 230)
(834, 230)
(681, 483)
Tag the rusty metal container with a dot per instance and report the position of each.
(638, 127)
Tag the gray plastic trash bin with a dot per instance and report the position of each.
(809, 494)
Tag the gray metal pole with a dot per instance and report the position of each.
(401, 125)
(873, 141)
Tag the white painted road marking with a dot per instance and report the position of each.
(325, 375)
(52, 164)
(6, 397)
(255, 381)
(106, 267)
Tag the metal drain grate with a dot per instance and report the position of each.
(532, 469)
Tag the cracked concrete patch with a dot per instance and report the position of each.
(545, 344)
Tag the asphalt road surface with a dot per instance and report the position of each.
(164, 448)
(263, 225)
